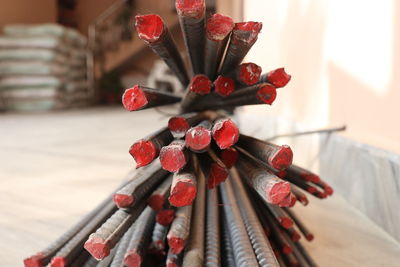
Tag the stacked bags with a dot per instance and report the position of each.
(42, 67)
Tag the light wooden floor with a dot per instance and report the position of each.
(55, 167)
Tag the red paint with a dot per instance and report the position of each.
(249, 73)
(229, 157)
(97, 247)
(176, 244)
(217, 175)
(149, 27)
(183, 192)
(123, 201)
(282, 158)
(156, 202)
(279, 78)
(295, 236)
(281, 174)
(277, 190)
(310, 177)
(251, 28)
(225, 133)
(309, 237)
(224, 86)
(287, 201)
(293, 200)
(165, 217)
(144, 152)
(218, 27)
(304, 200)
(132, 259)
(198, 138)
(286, 222)
(134, 98)
(311, 189)
(58, 262)
(173, 157)
(200, 84)
(178, 126)
(266, 94)
(191, 8)
(34, 261)
(328, 190)
(286, 249)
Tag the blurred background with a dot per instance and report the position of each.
(64, 136)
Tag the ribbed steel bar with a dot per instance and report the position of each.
(194, 251)
(213, 234)
(261, 245)
(179, 232)
(140, 239)
(159, 196)
(118, 260)
(242, 247)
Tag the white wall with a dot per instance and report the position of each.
(343, 57)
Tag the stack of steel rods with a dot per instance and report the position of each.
(204, 194)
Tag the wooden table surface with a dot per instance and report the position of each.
(55, 167)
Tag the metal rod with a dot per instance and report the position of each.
(218, 30)
(191, 16)
(174, 156)
(261, 246)
(243, 37)
(198, 138)
(213, 235)
(140, 97)
(158, 198)
(147, 149)
(241, 245)
(179, 232)
(279, 78)
(303, 229)
(194, 251)
(140, 239)
(328, 130)
(140, 186)
(153, 30)
(199, 86)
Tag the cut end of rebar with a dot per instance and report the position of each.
(183, 193)
(58, 262)
(293, 200)
(279, 78)
(328, 190)
(198, 138)
(178, 126)
(191, 8)
(134, 98)
(311, 189)
(229, 157)
(309, 237)
(249, 73)
(132, 259)
(282, 158)
(97, 247)
(144, 152)
(286, 249)
(287, 201)
(123, 201)
(304, 200)
(247, 31)
(295, 237)
(200, 84)
(149, 27)
(224, 86)
(277, 191)
(173, 157)
(266, 94)
(176, 244)
(311, 177)
(225, 133)
(285, 222)
(156, 202)
(217, 175)
(165, 217)
(34, 261)
(219, 27)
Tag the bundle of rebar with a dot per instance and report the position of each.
(203, 194)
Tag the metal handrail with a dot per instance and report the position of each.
(92, 44)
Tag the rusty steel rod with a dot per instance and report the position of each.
(174, 157)
(140, 186)
(140, 97)
(279, 78)
(261, 246)
(179, 231)
(140, 239)
(152, 29)
(118, 259)
(147, 149)
(241, 245)
(191, 16)
(199, 86)
(159, 196)
(213, 234)
(303, 229)
(194, 251)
